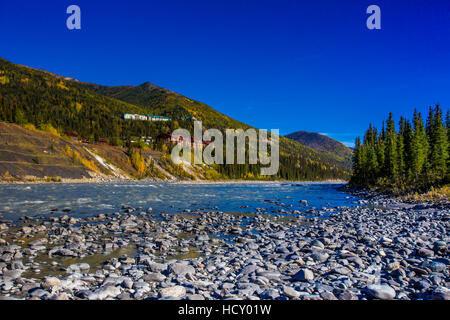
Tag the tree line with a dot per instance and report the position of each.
(413, 158)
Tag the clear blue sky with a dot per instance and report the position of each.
(293, 65)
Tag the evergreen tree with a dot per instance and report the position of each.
(391, 161)
(357, 162)
(439, 146)
(419, 147)
(414, 158)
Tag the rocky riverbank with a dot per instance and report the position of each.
(381, 249)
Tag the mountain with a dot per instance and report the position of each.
(35, 97)
(321, 142)
(160, 101)
(157, 100)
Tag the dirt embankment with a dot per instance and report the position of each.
(36, 156)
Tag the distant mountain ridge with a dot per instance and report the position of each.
(320, 142)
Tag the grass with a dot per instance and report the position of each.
(434, 195)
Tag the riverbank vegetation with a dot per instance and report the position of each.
(413, 159)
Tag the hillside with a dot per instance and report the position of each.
(157, 100)
(33, 155)
(40, 98)
(29, 154)
(321, 142)
(160, 101)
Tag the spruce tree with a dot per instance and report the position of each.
(447, 126)
(391, 161)
(439, 146)
(407, 148)
(356, 177)
(380, 151)
(419, 147)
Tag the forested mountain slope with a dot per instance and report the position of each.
(40, 98)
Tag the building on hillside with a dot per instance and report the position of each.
(164, 138)
(157, 118)
(141, 117)
(174, 138)
(72, 135)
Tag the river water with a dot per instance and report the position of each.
(166, 197)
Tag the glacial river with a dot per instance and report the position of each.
(166, 197)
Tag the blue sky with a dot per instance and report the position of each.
(293, 65)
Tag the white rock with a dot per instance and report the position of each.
(381, 291)
(175, 292)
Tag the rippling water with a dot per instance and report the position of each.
(89, 199)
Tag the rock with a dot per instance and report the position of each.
(7, 285)
(437, 266)
(39, 293)
(104, 293)
(50, 282)
(249, 269)
(439, 245)
(60, 297)
(202, 237)
(4, 298)
(12, 274)
(290, 292)
(78, 267)
(157, 267)
(26, 230)
(440, 293)
(425, 253)
(422, 284)
(393, 266)
(320, 256)
(342, 270)
(175, 292)
(380, 291)
(398, 273)
(347, 295)
(181, 269)
(195, 297)
(154, 277)
(327, 295)
(61, 252)
(127, 283)
(304, 275)
(270, 294)
(317, 244)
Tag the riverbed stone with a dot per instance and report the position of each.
(304, 275)
(174, 291)
(380, 291)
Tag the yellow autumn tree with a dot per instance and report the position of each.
(138, 162)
